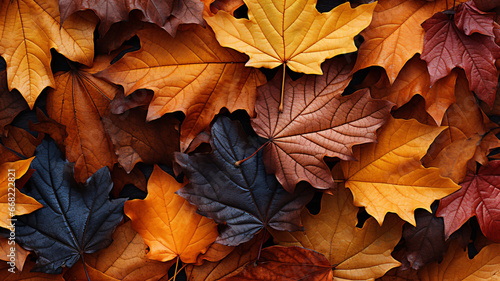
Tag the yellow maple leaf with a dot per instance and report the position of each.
(28, 30)
(291, 32)
(388, 176)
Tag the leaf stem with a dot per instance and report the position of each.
(239, 162)
(176, 267)
(85, 268)
(261, 244)
(180, 269)
(280, 109)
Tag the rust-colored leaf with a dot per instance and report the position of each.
(478, 197)
(11, 104)
(194, 75)
(287, 263)
(447, 47)
(79, 102)
(21, 141)
(167, 14)
(232, 264)
(50, 127)
(414, 79)
(464, 137)
(136, 140)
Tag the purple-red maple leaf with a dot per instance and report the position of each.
(470, 19)
(480, 197)
(447, 47)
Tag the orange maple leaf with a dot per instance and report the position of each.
(167, 222)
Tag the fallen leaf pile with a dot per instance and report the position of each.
(249, 140)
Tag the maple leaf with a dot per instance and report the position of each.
(395, 35)
(423, 243)
(29, 29)
(167, 14)
(137, 141)
(316, 122)
(79, 101)
(245, 198)
(334, 234)
(477, 197)
(388, 176)
(287, 263)
(470, 19)
(414, 79)
(194, 75)
(24, 204)
(446, 47)
(168, 224)
(291, 32)
(453, 158)
(456, 265)
(76, 219)
(125, 259)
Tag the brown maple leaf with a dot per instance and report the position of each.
(167, 14)
(193, 74)
(316, 122)
(412, 80)
(136, 140)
